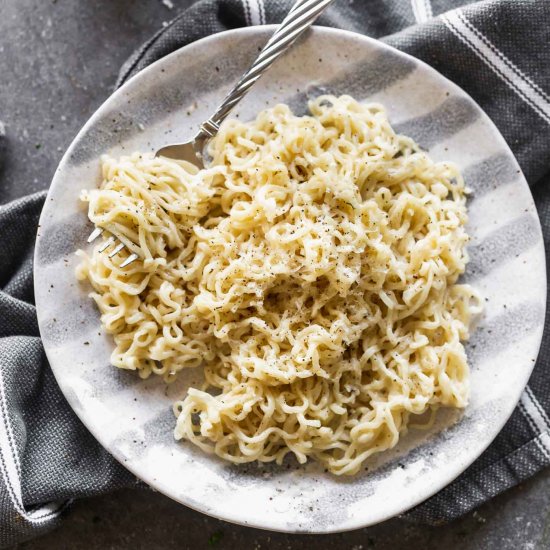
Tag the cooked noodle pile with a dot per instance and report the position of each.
(311, 272)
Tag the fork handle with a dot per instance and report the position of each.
(299, 18)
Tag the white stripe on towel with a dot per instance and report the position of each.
(536, 416)
(253, 10)
(422, 10)
(512, 75)
(10, 469)
(262, 11)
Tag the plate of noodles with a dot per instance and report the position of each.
(329, 322)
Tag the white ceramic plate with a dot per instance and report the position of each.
(133, 418)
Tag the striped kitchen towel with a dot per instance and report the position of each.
(496, 50)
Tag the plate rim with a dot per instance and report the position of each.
(357, 523)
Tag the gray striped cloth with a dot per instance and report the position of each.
(496, 50)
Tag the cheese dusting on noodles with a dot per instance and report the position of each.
(310, 270)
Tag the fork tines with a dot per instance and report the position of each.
(116, 250)
(131, 258)
(95, 234)
(109, 242)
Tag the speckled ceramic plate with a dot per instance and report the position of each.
(133, 418)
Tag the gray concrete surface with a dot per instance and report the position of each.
(519, 519)
(58, 62)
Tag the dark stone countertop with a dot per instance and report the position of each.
(58, 61)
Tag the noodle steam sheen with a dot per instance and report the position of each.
(311, 272)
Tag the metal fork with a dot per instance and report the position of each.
(299, 18)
